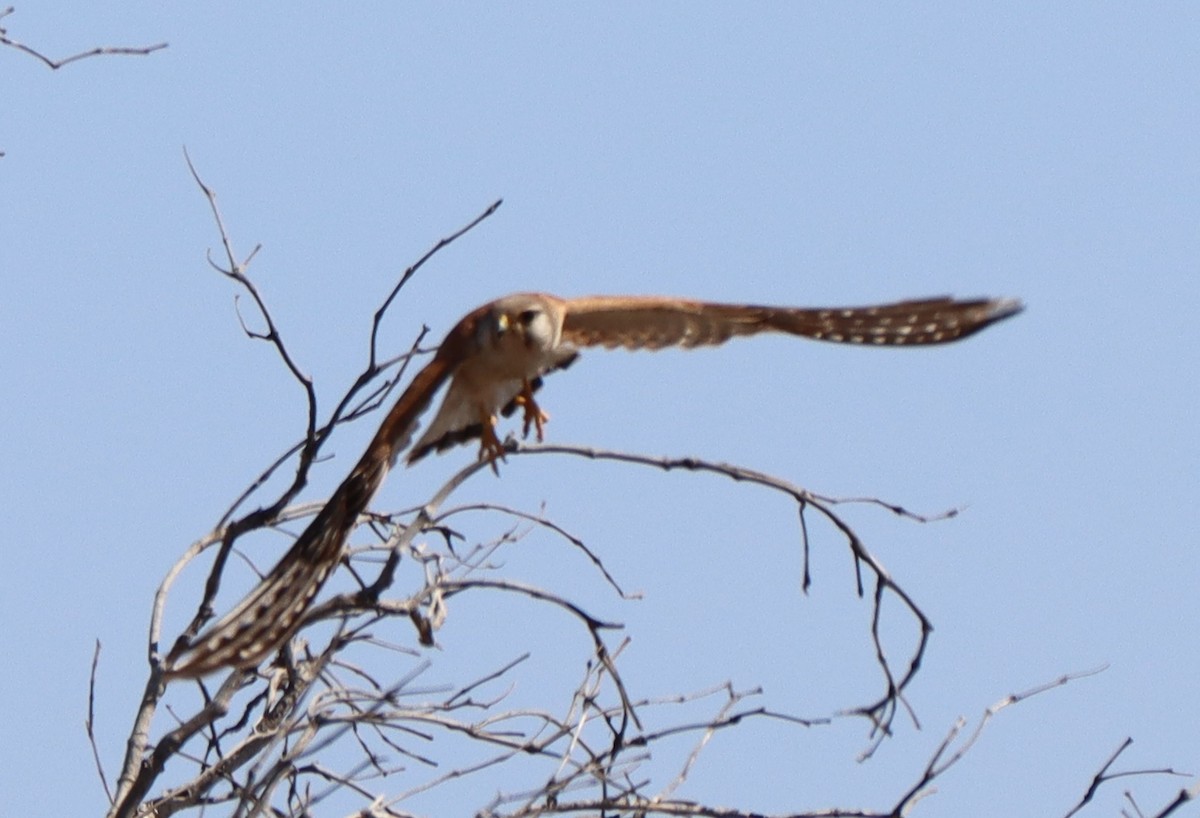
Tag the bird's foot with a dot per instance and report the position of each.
(490, 447)
(535, 418)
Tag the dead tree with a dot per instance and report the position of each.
(346, 719)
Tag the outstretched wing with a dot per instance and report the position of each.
(653, 323)
(273, 611)
(268, 616)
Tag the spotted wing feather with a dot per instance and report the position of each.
(655, 323)
(269, 615)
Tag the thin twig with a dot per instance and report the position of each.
(54, 65)
(881, 713)
(542, 521)
(943, 759)
(411, 271)
(1103, 776)
(90, 723)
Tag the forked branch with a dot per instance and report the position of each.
(54, 65)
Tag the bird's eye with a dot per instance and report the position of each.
(527, 317)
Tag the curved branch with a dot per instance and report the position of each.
(54, 65)
(881, 712)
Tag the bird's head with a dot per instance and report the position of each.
(522, 321)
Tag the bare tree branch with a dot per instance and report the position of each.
(541, 520)
(54, 65)
(1184, 796)
(90, 722)
(881, 713)
(315, 435)
(411, 271)
(229, 530)
(944, 758)
(1103, 776)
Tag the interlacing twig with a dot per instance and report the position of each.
(286, 592)
(882, 712)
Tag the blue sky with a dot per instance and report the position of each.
(820, 154)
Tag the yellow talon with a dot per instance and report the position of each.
(534, 416)
(490, 447)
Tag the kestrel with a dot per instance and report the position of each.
(495, 359)
(499, 353)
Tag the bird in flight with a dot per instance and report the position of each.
(497, 355)
(495, 358)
